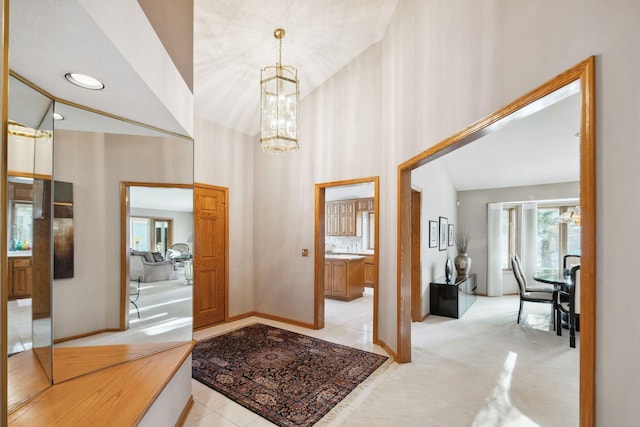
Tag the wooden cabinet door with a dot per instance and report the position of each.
(368, 274)
(210, 250)
(365, 204)
(20, 278)
(350, 218)
(333, 219)
(328, 278)
(339, 278)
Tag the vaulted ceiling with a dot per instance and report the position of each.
(233, 40)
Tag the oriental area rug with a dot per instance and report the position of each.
(288, 378)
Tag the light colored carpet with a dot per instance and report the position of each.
(481, 370)
(165, 316)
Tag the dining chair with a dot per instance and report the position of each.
(568, 302)
(541, 294)
(568, 261)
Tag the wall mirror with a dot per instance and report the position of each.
(67, 302)
(29, 153)
(101, 310)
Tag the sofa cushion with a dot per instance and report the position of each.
(157, 256)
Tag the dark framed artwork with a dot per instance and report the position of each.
(63, 253)
(444, 229)
(452, 236)
(433, 234)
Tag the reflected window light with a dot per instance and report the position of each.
(499, 410)
(167, 326)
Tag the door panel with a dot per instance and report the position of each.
(210, 261)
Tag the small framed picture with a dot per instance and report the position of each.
(444, 231)
(452, 236)
(433, 234)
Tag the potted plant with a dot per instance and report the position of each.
(462, 260)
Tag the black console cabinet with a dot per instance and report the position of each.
(452, 299)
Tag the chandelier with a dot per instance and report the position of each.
(571, 216)
(279, 97)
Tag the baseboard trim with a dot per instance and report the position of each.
(284, 320)
(86, 334)
(240, 317)
(386, 348)
(185, 412)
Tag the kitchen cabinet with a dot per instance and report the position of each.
(341, 218)
(369, 272)
(343, 277)
(19, 277)
(365, 204)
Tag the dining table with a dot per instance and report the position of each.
(560, 279)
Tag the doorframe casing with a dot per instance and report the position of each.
(125, 214)
(584, 72)
(319, 233)
(416, 264)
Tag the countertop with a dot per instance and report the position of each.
(363, 252)
(350, 257)
(18, 253)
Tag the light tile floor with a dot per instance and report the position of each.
(481, 370)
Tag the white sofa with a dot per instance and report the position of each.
(150, 267)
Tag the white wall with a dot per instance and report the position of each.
(441, 66)
(340, 138)
(96, 164)
(472, 213)
(461, 60)
(224, 158)
(438, 198)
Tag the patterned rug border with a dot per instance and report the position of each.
(339, 407)
(337, 410)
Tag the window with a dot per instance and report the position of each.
(555, 238)
(140, 238)
(508, 223)
(548, 241)
(21, 226)
(150, 234)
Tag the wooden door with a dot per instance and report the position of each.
(210, 264)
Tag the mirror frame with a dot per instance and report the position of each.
(4, 277)
(585, 73)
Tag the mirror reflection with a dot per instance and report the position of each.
(29, 154)
(111, 309)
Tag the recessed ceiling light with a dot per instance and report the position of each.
(58, 116)
(84, 81)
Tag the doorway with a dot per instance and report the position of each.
(346, 222)
(582, 73)
(145, 210)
